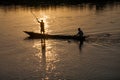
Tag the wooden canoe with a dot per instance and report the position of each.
(34, 35)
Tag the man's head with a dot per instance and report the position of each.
(41, 20)
(79, 29)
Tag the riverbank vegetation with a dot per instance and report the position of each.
(53, 2)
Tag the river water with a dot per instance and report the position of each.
(36, 59)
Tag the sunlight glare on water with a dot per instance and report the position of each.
(22, 58)
(46, 57)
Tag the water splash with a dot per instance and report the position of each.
(105, 39)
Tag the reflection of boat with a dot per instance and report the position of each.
(34, 35)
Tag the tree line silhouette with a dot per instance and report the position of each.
(53, 2)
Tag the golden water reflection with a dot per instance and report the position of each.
(46, 57)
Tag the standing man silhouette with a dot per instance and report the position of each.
(42, 30)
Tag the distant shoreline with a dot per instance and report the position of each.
(54, 2)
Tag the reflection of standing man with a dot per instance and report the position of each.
(43, 49)
(41, 26)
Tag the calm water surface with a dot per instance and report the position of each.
(23, 59)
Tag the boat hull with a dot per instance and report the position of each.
(34, 35)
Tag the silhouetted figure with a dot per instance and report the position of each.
(80, 33)
(42, 30)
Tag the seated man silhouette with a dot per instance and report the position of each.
(80, 33)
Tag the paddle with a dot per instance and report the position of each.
(34, 16)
